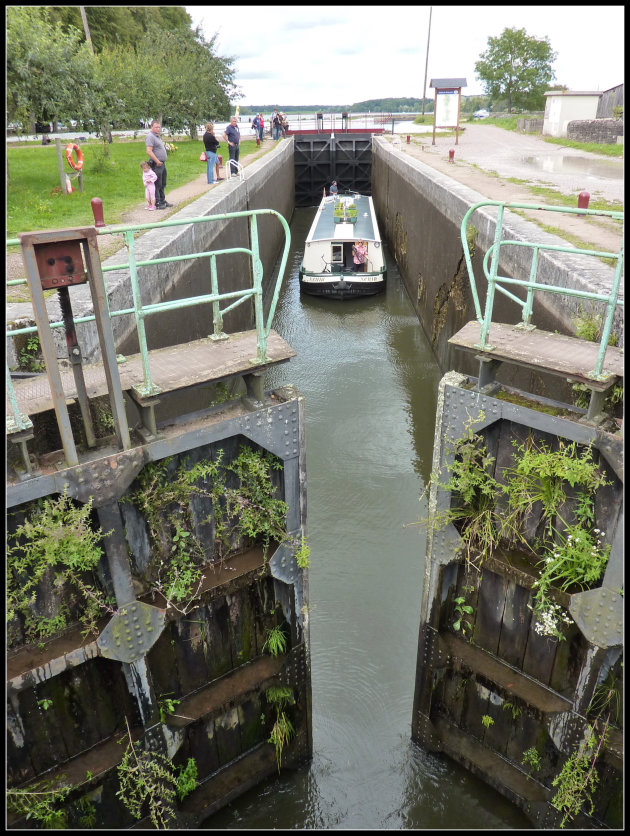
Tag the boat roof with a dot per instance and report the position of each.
(325, 228)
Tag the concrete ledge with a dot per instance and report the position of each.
(452, 200)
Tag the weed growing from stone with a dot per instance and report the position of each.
(40, 802)
(165, 498)
(462, 609)
(473, 493)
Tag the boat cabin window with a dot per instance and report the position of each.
(337, 254)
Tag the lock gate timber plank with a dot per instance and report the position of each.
(556, 354)
(172, 368)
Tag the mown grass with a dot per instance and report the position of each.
(593, 147)
(559, 199)
(33, 203)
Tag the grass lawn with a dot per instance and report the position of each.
(33, 203)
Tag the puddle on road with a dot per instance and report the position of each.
(609, 169)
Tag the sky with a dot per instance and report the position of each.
(328, 55)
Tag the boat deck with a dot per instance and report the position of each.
(364, 229)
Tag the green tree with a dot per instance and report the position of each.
(49, 71)
(517, 67)
(181, 101)
(120, 26)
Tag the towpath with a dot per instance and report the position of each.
(499, 164)
(505, 165)
(179, 197)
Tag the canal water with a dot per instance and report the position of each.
(370, 385)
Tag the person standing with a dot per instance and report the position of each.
(333, 188)
(359, 256)
(148, 178)
(211, 143)
(261, 120)
(275, 124)
(232, 136)
(157, 161)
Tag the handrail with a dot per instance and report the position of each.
(140, 311)
(493, 256)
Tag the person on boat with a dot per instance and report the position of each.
(359, 256)
(333, 188)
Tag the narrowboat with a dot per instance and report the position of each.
(328, 267)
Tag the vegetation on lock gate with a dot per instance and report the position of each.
(56, 541)
(150, 785)
(280, 697)
(165, 495)
(570, 551)
(558, 483)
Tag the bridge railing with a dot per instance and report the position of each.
(17, 422)
(496, 282)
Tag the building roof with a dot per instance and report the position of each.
(573, 93)
(448, 83)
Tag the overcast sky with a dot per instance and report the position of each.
(307, 55)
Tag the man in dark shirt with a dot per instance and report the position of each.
(232, 136)
(157, 161)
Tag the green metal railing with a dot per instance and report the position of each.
(495, 281)
(140, 311)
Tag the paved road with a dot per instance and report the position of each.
(504, 165)
(529, 157)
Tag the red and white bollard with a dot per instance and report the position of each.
(451, 155)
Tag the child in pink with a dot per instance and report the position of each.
(148, 178)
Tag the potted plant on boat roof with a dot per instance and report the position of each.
(339, 212)
(351, 213)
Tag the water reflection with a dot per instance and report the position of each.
(608, 169)
(370, 383)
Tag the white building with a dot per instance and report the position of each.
(563, 106)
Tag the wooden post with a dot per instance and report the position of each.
(62, 173)
(434, 114)
(80, 177)
(459, 104)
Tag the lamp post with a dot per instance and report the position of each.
(426, 63)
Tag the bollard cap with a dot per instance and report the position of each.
(97, 211)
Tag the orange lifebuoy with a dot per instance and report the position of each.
(79, 163)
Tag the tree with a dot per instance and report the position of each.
(121, 26)
(517, 67)
(48, 70)
(183, 58)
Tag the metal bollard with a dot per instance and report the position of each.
(97, 211)
(451, 155)
(583, 199)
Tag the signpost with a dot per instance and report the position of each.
(446, 110)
